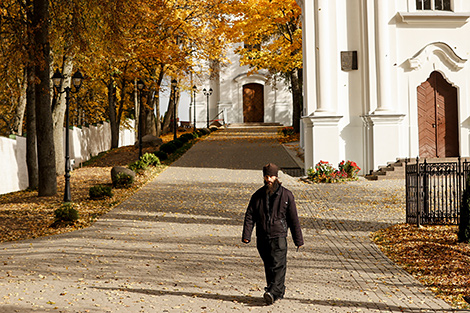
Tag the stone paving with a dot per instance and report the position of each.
(175, 245)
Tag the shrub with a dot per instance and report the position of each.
(123, 180)
(138, 166)
(150, 159)
(195, 134)
(350, 169)
(168, 147)
(100, 192)
(203, 131)
(213, 128)
(287, 131)
(183, 139)
(187, 137)
(464, 225)
(323, 172)
(162, 156)
(66, 213)
(178, 143)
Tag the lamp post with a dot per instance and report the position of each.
(207, 94)
(140, 87)
(194, 106)
(174, 84)
(77, 79)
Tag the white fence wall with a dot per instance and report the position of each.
(84, 143)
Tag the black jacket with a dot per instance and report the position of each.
(275, 222)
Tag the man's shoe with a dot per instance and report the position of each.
(269, 298)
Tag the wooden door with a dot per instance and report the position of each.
(253, 103)
(437, 118)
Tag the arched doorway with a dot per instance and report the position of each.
(437, 118)
(253, 103)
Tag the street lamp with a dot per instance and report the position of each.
(207, 94)
(194, 106)
(174, 84)
(77, 79)
(140, 87)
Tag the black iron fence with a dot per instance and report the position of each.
(434, 191)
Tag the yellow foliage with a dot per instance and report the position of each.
(274, 26)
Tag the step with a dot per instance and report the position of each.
(393, 170)
(243, 125)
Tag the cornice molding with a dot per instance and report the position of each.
(433, 17)
(443, 51)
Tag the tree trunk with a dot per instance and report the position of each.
(296, 84)
(121, 107)
(21, 107)
(177, 103)
(31, 153)
(168, 114)
(112, 114)
(136, 109)
(167, 120)
(156, 105)
(47, 180)
(149, 116)
(58, 115)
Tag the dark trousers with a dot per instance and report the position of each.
(273, 252)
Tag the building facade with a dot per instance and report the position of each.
(239, 96)
(385, 79)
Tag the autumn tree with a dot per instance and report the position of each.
(113, 43)
(174, 36)
(45, 144)
(17, 77)
(272, 36)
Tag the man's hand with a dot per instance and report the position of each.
(298, 248)
(245, 241)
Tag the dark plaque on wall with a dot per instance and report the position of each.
(348, 60)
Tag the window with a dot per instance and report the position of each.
(437, 5)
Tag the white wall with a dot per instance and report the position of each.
(84, 143)
(227, 94)
(369, 115)
(13, 169)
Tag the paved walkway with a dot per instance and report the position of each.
(175, 246)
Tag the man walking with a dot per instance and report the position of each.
(272, 209)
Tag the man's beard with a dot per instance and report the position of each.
(272, 188)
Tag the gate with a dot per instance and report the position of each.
(434, 191)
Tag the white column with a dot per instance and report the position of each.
(384, 56)
(327, 56)
(308, 147)
(385, 140)
(309, 56)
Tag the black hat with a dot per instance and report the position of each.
(270, 169)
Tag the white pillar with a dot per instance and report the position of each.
(384, 56)
(309, 56)
(327, 56)
(308, 147)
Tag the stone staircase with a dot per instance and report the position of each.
(393, 170)
(396, 170)
(243, 125)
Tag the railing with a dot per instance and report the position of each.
(216, 119)
(434, 191)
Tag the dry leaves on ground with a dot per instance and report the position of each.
(432, 255)
(24, 215)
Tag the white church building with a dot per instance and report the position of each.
(385, 79)
(239, 96)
